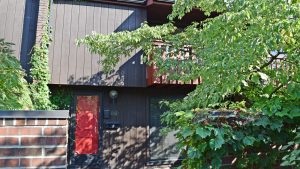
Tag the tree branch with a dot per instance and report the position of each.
(273, 57)
(279, 87)
(275, 90)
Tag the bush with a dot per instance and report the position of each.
(14, 91)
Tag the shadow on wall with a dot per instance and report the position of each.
(125, 148)
(75, 65)
(129, 148)
(130, 73)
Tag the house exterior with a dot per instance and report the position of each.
(114, 118)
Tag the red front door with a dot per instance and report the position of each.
(87, 125)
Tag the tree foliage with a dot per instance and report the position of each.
(248, 57)
(119, 44)
(14, 92)
(61, 98)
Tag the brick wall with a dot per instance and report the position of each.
(33, 142)
(42, 19)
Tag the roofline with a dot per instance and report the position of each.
(137, 3)
(130, 3)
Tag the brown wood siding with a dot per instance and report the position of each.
(127, 147)
(18, 20)
(11, 19)
(70, 64)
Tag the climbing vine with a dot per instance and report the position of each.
(39, 71)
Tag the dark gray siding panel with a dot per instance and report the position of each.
(18, 20)
(72, 48)
(67, 18)
(126, 147)
(11, 19)
(70, 64)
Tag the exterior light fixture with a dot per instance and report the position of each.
(113, 94)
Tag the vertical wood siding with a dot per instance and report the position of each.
(18, 20)
(70, 64)
(128, 146)
(11, 22)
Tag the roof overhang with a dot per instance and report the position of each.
(134, 3)
(158, 11)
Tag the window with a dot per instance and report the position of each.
(161, 148)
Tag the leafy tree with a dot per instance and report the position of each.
(14, 92)
(248, 57)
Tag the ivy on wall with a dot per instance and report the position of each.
(39, 72)
(16, 93)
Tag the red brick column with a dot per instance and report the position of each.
(33, 143)
(42, 19)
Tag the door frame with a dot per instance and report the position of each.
(72, 125)
(160, 161)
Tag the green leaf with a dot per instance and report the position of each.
(216, 143)
(264, 121)
(186, 132)
(180, 113)
(276, 125)
(238, 135)
(202, 132)
(219, 131)
(202, 146)
(193, 153)
(189, 115)
(216, 163)
(248, 140)
(295, 112)
(255, 78)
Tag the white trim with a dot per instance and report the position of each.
(43, 152)
(19, 141)
(43, 133)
